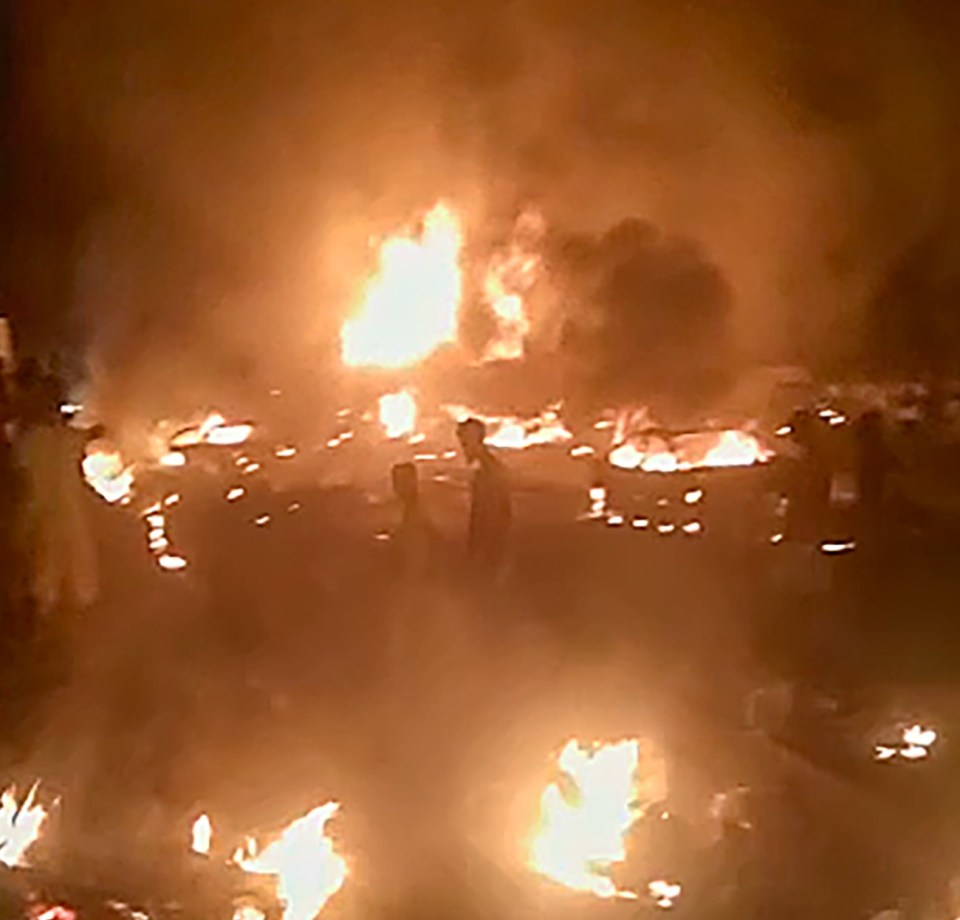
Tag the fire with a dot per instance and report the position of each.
(512, 433)
(201, 835)
(213, 430)
(410, 307)
(308, 869)
(398, 413)
(20, 825)
(653, 452)
(106, 473)
(585, 817)
(509, 278)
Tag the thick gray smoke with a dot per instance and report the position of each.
(234, 158)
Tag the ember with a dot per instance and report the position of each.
(106, 473)
(308, 869)
(202, 835)
(411, 305)
(585, 817)
(20, 825)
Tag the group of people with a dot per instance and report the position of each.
(49, 553)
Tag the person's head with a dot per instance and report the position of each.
(471, 433)
(405, 483)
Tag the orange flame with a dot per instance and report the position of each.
(512, 433)
(308, 869)
(411, 305)
(583, 821)
(654, 453)
(106, 473)
(20, 825)
(510, 277)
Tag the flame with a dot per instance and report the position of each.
(509, 278)
(213, 430)
(655, 453)
(201, 835)
(512, 433)
(20, 825)
(582, 826)
(410, 306)
(398, 413)
(308, 869)
(106, 473)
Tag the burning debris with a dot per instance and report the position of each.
(585, 817)
(411, 305)
(106, 473)
(398, 414)
(915, 743)
(655, 451)
(307, 868)
(513, 433)
(201, 835)
(213, 430)
(21, 824)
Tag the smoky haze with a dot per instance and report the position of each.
(219, 168)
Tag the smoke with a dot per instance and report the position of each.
(232, 161)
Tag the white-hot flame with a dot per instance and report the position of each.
(411, 305)
(308, 869)
(509, 278)
(106, 473)
(201, 835)
(213, 430)
(585, 818)
(20, 825)
(654, 453)
(398, 413)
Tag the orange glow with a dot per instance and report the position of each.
(308, 869)
(584, 818)
(509, 278)
(512, 433)
(652, 452)
(411, 305)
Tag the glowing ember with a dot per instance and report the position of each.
(598, 501)
(107, 474)
(229, 435)
(410, 306)
(171, 563)
(20, 825)
(285, 453)
(510, 277)
(174, 458)
(584, 818)
(308, 869)
(202, 835)
(235, 493)
(398, 413)
(653, 452)
(664, 893)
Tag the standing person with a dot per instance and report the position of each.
(490, 514)
(56, 538)
(873, 466)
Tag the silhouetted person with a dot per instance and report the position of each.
(873, 465)
(414, 535)
(809, 487)
(490, 514)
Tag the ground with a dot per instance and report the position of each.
(260, 682)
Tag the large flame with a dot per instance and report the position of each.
(410, 306)
(398, 413)
(20, 825)
(585, 817)
(105, 472)
(510, 276)
(652, 452)
(308, 869)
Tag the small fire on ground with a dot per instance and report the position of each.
(585, 817)
(21, 824)
(308, 869)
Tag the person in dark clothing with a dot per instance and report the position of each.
(873, 465)
(809, 485)
(490, 514)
